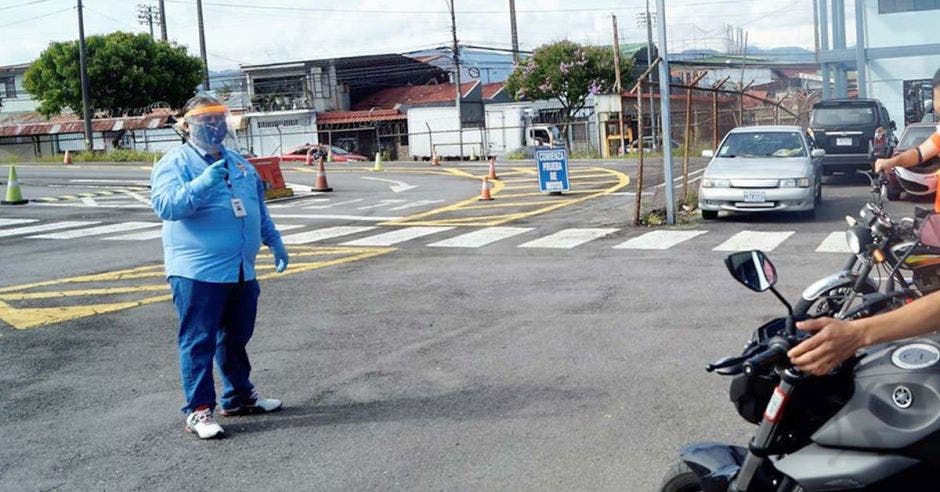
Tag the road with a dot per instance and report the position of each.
(418, 340)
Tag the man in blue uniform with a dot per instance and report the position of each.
(214, 221)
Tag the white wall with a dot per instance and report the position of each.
(296, 128)
(23, 100)
(886, 77)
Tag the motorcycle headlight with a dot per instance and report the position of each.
(858, 238)
(794, 183)
(716, 183)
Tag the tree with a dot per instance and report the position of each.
(126, 73)
(567, 72)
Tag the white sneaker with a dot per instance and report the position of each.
(203, 424)
(259, 404)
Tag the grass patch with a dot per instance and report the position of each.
(116, 155)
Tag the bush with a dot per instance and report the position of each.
(115, 155)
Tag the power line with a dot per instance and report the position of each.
(21, 21)
(34, 2)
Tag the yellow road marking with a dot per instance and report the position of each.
(513, 204)
(24, 316)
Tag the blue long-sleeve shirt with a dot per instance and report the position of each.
(202, 238)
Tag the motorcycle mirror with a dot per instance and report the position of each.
(930, 231)
(753, 269)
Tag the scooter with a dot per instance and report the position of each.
(872, 424)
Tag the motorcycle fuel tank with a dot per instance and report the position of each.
(896, 404)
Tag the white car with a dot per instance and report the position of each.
(762, 169)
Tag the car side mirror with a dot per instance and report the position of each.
(818, 153)
(753, 269)
(929, 233)
(708, 153)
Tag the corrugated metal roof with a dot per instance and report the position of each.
(412, 94)
(365, 116)
(31, 123)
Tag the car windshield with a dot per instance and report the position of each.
(762, 144)
(843, 116)
(339, 150)
(914, 136)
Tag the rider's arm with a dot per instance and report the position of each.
(913, 156)
(837, 340)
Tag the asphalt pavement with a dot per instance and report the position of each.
(530, 345)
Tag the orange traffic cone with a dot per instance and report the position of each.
(492, 168)
(68, 158)
(309, 161)
(321, 184)
(435, 159)
(485, 191)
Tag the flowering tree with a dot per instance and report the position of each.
(567, 72)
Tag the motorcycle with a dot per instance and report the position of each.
(871, 424)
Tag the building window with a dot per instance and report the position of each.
(8, 87)
(896, 6)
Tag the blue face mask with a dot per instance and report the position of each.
(208, 132)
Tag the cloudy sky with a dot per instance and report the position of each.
(261, 31)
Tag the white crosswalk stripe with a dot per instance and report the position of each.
(288, 227)
(659, 239)
(52, 226)
(98, 231)
(834, 243)
(398, 236)
(9, 222)
(568, 238)
(748, 240)
(481, 237)
(322, 234)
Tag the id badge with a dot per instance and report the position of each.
(239, 208)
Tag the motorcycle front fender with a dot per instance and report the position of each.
(716, 464)
(835, 281)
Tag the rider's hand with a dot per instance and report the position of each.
(834, 342)
(882, 165)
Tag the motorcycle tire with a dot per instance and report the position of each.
(680, 478)
(803, 307)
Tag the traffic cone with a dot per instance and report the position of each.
(435, 159)
(68, 158)
(378, 163)
(485, 190)
(309, 160)
(473, 154)
(329, 154)
(492, 168)
(14, 195)
(321, 184)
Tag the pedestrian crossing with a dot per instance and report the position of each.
(457, 238)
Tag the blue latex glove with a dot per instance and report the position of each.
(281, 258)
(211, 177)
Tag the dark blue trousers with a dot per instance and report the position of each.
(216, 321)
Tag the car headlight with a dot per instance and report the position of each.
(716, 183)
(794, 183)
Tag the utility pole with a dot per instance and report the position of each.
(617, 83)
(162, 21)
(515, 34)
(83, 67)
(202, 45)
(453, 30)
(649, 61)
(145, 16)
(664, 105)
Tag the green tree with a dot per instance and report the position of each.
(567, 72)
(126, 72)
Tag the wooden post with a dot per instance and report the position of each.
(688, 131)
(777, 109)
(715, 117)
(617, 85)
(639, 148)
(741, 103)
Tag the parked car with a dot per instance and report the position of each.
(853, 132)
(761, 169)
(919, 180)
(299, 153)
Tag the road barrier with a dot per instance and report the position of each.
(269, 168)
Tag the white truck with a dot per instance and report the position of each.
(507, 128)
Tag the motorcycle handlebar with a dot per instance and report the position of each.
(774, 353)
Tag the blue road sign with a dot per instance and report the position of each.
(553, 170)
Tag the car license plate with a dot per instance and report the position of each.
(755, 196)
(844, 142)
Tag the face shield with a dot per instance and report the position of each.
(207, 126)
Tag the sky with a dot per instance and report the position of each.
(267, 31)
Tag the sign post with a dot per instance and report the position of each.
(553, 170)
